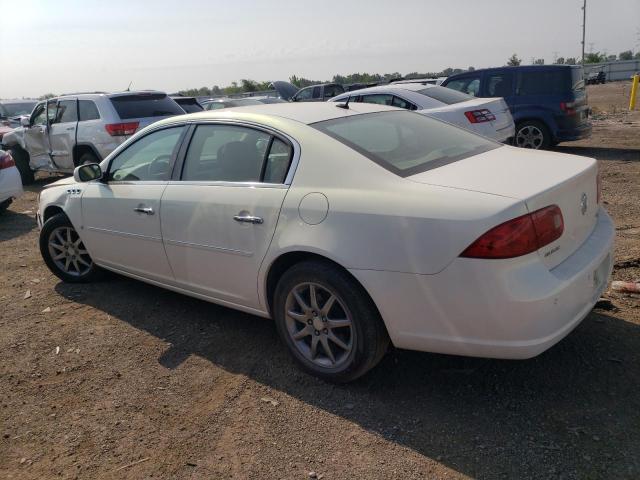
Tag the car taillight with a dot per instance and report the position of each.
(479, 116)
(568, 107)
(116, 129)
(519, 236)
(6, 161)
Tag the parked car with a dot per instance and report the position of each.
(487, 116)
(423, 81)
(219, 103)
(10, 184)
(596, 77)
(548, 102)
(12, 110)
(349, 227)
(318, 93)
(188, 104)
(70, 130)
(268, 100)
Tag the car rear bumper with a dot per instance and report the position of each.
(10, 184)
(515, 308)
(577, 133)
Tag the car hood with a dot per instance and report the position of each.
(285, 89)
(62, 182)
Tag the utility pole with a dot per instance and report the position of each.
(584, 22)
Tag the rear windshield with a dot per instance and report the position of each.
(577, 79)
(15, 109)
(405, 143)
(189, 105)
(445, 95)
(145, 105)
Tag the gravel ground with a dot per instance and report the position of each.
(120, 379)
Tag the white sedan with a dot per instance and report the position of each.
(486, 116)
(349, 226)
(10, 182)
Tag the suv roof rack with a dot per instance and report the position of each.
(79, 93)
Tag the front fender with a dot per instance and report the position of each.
(66, 196)
(14, 138)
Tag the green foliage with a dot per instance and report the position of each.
(46, 96)
(570, 61)
(626, 55)
(595, 57)
(514, 61)
(560, 61)
(538, 61)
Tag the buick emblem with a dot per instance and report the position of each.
(583, 203)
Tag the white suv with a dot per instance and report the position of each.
(70, 130)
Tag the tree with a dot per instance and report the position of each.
(538, 61)
(570, 61)
(594, 57)
(513, 61)
(46, 96)
(637, 56)
(248, 85)
(626, 55)
(560, 61)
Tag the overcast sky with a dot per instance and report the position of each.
(77, 45)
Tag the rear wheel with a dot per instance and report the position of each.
(64, 252)
(87, 157)
(532, 134)
(22, 164)
(328, 322)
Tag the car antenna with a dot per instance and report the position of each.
(344, 105)
(129, 87)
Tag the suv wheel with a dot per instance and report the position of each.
(87, 157)
(64, 253)
(22, 164)
(328, 322)
(532, 134)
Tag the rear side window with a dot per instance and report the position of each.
(87, 110)
(378, 99)
(445, 95)
(500, 84)
(402, 103)
(278, 160)
(144, 105)
(405, 143)
(316, 92)
(331, 91)
(469, 85)
(545, 82)
(66, 112)
(577, 79)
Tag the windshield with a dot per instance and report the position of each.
(145, 105)
(16, 109)
(445, 95)
(405, 143)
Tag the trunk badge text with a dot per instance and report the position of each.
(583, 203)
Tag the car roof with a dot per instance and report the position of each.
(414, 87)
(110, 95)
(303, 112)
(519, 67)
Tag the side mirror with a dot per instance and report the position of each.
(24, 121)
(87, 172)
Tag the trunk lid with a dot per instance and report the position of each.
(537, 178)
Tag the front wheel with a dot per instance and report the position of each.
(64, 253)
(22, 164)
(532, 134)
(87, 158)
(328, 322)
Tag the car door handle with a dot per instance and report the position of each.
(248, 219)
(71, 128)
(145, 210)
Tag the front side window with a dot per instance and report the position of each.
(87, 110)
(405, 143)
(66, 112)
(469, 85)
(230, 153)
(500, 84)
(39, 115)
(304, 94)
(51, 110)
(148, 159)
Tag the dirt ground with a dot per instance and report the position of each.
(124, 380)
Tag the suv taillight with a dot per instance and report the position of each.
(479, 116)
(519, 236)
(568, 107)
(6, 161)
(116, 129)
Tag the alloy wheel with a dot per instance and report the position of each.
(529, 136)
(319, 325)
(68, 252)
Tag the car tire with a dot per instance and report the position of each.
(4, 205)
(350, 327)
(64, 253)
(532, 134)
(87, 157)
(22, 164)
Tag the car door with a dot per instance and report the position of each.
(121, 213)
(62, 133)
(36, 138)
(219, 217)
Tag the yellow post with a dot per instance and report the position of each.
(634, 91)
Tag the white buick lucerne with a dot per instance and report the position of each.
(349, 225)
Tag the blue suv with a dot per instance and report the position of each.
(548, 102)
